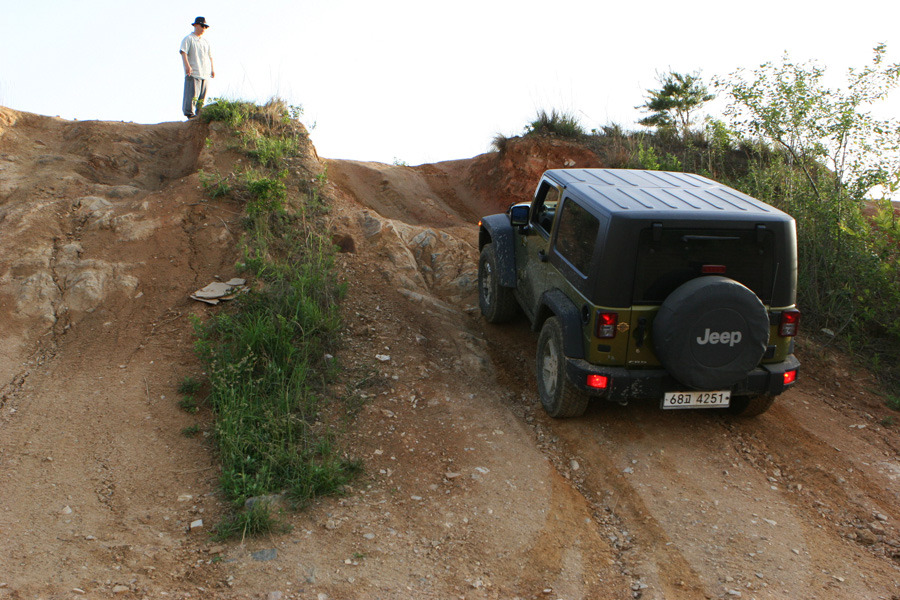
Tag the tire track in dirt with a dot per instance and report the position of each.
(714, 504)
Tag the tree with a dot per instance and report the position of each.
(675, 103)
(820, 152)
(789, 105)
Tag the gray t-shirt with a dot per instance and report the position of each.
(199, 55)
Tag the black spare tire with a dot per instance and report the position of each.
(711, 332)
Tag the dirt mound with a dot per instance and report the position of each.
(105, 231)
(470, 490)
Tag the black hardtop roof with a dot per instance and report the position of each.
(636, 193)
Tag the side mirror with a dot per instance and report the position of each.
(518, 215)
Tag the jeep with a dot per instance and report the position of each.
(647, 285)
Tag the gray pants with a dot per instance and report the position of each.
(194, 95)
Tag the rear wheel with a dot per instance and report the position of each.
(558, 396)
(497, 303)
(750, 406)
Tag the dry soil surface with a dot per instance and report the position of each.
(470, 491)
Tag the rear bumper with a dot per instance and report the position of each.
(634, 384)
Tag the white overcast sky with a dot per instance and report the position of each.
(415, 81)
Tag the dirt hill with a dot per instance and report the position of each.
(470, 490)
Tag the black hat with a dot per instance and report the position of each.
(200, 21)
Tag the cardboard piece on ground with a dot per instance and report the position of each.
(217, 291)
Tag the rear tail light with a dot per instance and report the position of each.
(790, 323)
(597, 382)
(790, 377)
(606, 324)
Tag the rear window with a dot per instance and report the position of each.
(679, 255)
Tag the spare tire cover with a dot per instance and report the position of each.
(711, 332)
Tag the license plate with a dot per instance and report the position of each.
(696, 399)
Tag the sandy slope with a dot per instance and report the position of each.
(470, 491)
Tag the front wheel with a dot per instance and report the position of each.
(558, 396)
(497, 303)
(750, 406)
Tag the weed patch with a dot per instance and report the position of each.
(893, 402)
(231, 112)
(556, 123)
(215, 186)
(188, 404)
(256, 520)
(189, 386)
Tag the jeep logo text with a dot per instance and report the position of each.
(715, 337)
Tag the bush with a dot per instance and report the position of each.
(555, 123)
(231, 112)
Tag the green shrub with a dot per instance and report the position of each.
(189, 404)
(270, 151)
(266, 194)
(189, 386)
(214, 185)
(893, 402)
(256, 520)
(556, 123)
(231, 112)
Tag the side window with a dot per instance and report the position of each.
(576, 235)
(545, 207)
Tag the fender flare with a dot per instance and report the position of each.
(555, 303)
(496, 229)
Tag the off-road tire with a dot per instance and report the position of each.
(497, 303)
(558, 396)
(704, 306)
(750, 406)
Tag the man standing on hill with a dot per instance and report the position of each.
(198, 68)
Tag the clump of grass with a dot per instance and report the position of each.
(231, 112)
(191, 430)
(266, 194)
(267, 133)
(499, 143)
(214, 185)
(189, 404)
(256, 520)
(189, 386)
(558, 123)
(270, 151)
(892, 401)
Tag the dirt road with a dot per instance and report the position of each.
(470, 491)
